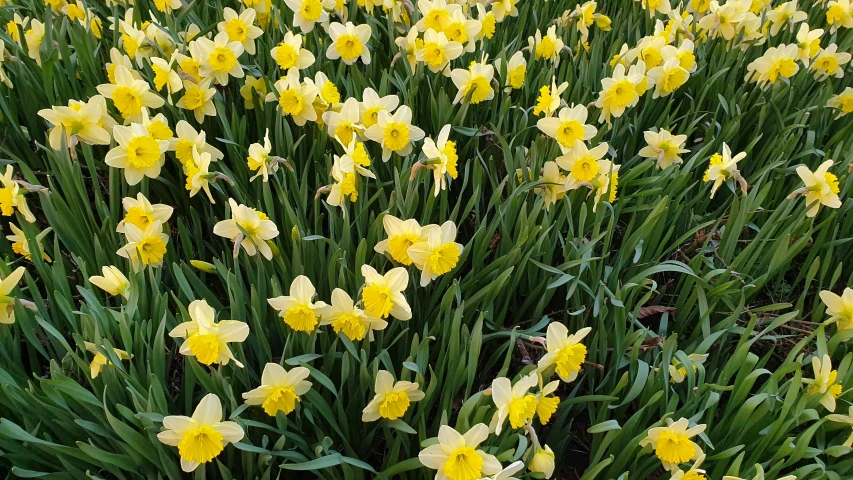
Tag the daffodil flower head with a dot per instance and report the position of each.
(672, 444)
(346, 318)
(392, 399)
(830, 63)
(435, 14)
(198, 98)
(402, 234)
(546, 403)
(382, 295)
(21, 245)
(100, 360)
(824, 382)
(82, 121)
(843, 102)
(240, 28)
(306, 13)
(564, 351)
(349, 42)
(187, 138)
(581, 162)
(395, 132)
(514, 402)
(345, 124)
(678, 372)
(299, 310)
(543, 461)
(438, 254)
(218, 58)
(12, 198)
(777, 62)
(295, 98)
(372, 104)
(556, 184)
(456, 456)
(437, 51)
(665, 147)
(839, 308)
(207, 340)
(693, 473)
(259, 159)
(722, 168)
(142, 213)
(442, 157)
(474, 83)
(821, 188)
(290, 54)
(548, 46)
(198, 178)
(280, 389)
(568, 126)
(7, 301)
(202, 437)
(248, 227)
(112, 281)
(619, 92)
(138, 153)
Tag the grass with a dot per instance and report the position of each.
(663, 272)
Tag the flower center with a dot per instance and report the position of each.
(137, 216)
(622, 94)
(585, 169)
(377, 300)
(7, 201)
(194, 97)
(127, 101)
(434, 54)
(449, 152)
(236, 30)
(516, 76)
(345, 131)
(464, 464)
(200, 445)
(396, 136)
(546, 48)
(673, 79)
(350, 325)
(184, 151)
(370, 116)
(285, 56)
(569, 132)
(456, 32)
(785, 68)
(832, 181)
(349, 46)
(282, 398)
(399, 246)
(143, 152)
(205, 347)
(569, 359)
(444, 258)
(291, 102)
(674, 447)
(394, 405)
(301, 318)
(479, 88)
(311, 10)
(436, 19)
(522, 410)
(222, 59)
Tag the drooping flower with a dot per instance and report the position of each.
(821, 188)
(442, 158)
(100, 360)
(280, 389)
(564, 350)
(724, 167)
(543, 461)
(248, 227)
(672, 444)
(556, 184)
(346, 318)
(839, 308)
(392, 399)
(206, 339)
(21, 245)
(438, 254)
(12, 198)
(80, 120)
(456, 456)
(202, 437)
(382, 295)
(112, 281)
(299, 310)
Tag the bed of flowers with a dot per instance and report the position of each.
(450, 239)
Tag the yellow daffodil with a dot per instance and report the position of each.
(299, 310)
(830, 63)
(409, 46)
(198, 177)
(144, 246)
(349, 42)
(259, 160)
(474, 83)
(328, 96)
(839, 308)
(346, 123)
(392, 399)
(618, 92)
(167, 6)
(12, 198)
(462, 30)
(240, 28)
(650, 50)
(693, 473)
(513, 401)
(581, 162)
(249, 227)
(280, 389)
(437, 51)
(100, 360)
(346, 318)
(78, 121)
(187, 138)
(843, 102)
(371, 104)
(141, 213)
(839, 14)
(564, 350)
(543, 461)
(722, 168)
(442, 158)
(290, 54)
(202, 437)
(777, 62)
(438, 254)
(678, 372)
(546, 403)
(668, 77)
(456, 456)
(358, 155)
(402, 234)
(119, 59)
(218, 58)
(487, 22)
(605, 183)
(382, 295)
(722, 20)
(549, 101)
(672, 444)
(133, 41)
(548, 46)
(785, 15)
(665, 147)
(808, 43)
(21, 245)
(516, 71)
(166, 76)
(113, 281)
(198, 98)
(7, 301)
(138, 153)
(568, 126)
(824, 382)
(435, 14)
(130, 95)
(344, 172)
(246, 91)
(206, 339)
(394, 132)
(308, 12)
(556, 184)
(34, 36)
(821, 188)
(294, 98)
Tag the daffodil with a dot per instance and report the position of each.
(218, 58)
(442, 157)
(100, 360)
(328, 96)
(693, 473)
(3, 77)
(513, 401)
(437, 51)
(650, 50)
(308, 12)
(346, 123)
(7, 301)
(349, 42)
(618, 92)
(672, 444)
(344, 172)
(141, 213)
(487, 22)
(198, 98)
(843, 102)
(12, 198)
(202, 437)
(402, 234)
(34, 36)
(372, 104)
(839, 13)
(549, 101)
(606, 182)
(839, 308)
(290, 54)
(830, 63)
(456, 456)
(280, 389)
(167, 6)
(564, 350)
(144, 246)
(516, 71)
(248, 228)
(394, 132)
(346, 318)
(299, 310)
(206, 339)
(294, 98)
(259, 160)
(759, 472)
(438, 254)
(77, 121)
(668, 77)
(133, 41)
(474, 83)
(568, 126)
(678, 372)
(722, 20)
(555, 186)
(240, 28)
(808, 43)
(21, 245)
(358, 155)
(392, 399)
(777, 62)
(409, 46)
(504, 8)
(821, 188)
(435, 14)
(665, 147)
(543, 461)
(546, 403)
(724, 167)
(187, 138)
(462, 30)
(138, 153)
(548, 46)
(198, 175)
(119, 59)
(824, 382)
(112, 281)
(130, 95)
(252, 88)
(581, 162)
(382, 295)
(166, 76)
